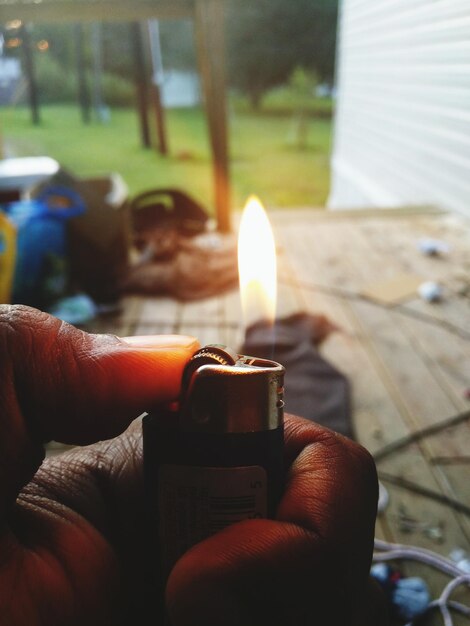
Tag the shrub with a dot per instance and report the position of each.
(117, 91)
(58, 86)
(54, 83)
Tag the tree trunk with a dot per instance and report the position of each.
(255, 98)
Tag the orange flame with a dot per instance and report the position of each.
(257, 264)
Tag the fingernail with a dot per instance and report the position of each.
(161, 341)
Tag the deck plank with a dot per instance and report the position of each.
(320, 255)
(159, 315)
(232, 329)
(410, 375)
(122, 322)
(203, 319)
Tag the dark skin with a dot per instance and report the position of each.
(73, 545)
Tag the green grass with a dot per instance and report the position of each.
(283, 101)
(265, 157)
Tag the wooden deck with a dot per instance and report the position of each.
(409, 364)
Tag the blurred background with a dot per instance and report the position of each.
(280, 59)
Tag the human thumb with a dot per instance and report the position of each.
(62, 383)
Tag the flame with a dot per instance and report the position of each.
(256, 264)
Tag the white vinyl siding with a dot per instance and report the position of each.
(402, 121)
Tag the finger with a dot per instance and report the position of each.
(61, 383)
(87, 506)
(332, 490)
(328, 474)
(310, 565)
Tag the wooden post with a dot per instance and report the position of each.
(101, 112)
(157, 79)
(160, 120)
(140, 82)
(31, 74)
(83, 92)
(209, 24)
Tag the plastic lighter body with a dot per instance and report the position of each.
(217, 457)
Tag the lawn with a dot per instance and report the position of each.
(265, 156)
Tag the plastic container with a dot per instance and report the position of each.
(40, 275)
(7, 257)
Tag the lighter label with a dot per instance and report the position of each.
(196, 502)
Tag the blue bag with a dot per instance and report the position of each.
(40, 276)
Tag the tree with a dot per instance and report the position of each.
(178, 45)
(267, 39)
(316, 41)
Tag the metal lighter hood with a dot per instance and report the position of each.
(224, 392)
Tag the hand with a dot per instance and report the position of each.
(70, 543)
(310, 566)
(72, 546)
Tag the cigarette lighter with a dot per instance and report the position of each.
(217, 457)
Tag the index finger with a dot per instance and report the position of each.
(61, 383)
